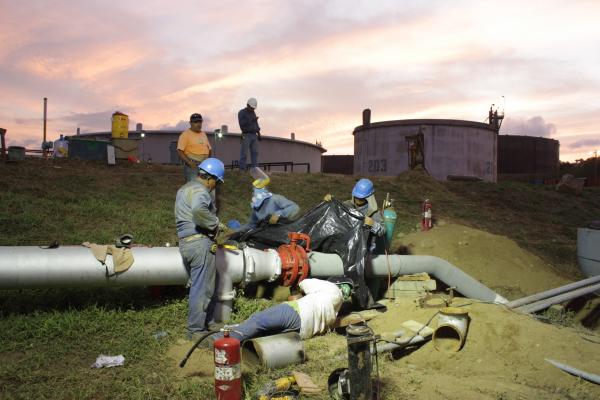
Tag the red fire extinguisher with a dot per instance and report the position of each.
(228, 369)
(426, 220)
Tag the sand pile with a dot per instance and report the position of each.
(496, 261)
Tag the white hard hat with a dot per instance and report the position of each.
(252, 102)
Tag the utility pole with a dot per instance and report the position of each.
(44, 153)
(2, 133)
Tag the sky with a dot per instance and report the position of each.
(312, 65)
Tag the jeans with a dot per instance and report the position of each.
(250, 141)
(200, 262)
(277, 319)
(189, 173)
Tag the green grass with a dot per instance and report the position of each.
(49, 338)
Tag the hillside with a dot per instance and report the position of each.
(516, 238)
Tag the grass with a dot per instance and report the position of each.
(49, 338)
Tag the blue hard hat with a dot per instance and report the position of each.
(234, 224)
(363, 189)
(214, 167)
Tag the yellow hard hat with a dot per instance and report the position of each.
(261, 183)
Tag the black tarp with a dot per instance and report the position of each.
(333, 228)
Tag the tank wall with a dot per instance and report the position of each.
(448, 150)
(527, 158)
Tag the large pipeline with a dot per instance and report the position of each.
(24, 267)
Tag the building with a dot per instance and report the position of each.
(528, 158)
(337, 164)
(278, 153)
(447, 149)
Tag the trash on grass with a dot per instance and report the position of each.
(104, 361)
(160, 334)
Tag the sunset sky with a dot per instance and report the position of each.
(312, 65)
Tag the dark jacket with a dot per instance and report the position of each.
(248, 121)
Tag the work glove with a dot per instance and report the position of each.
(222, 227)
(273, 220)
(369, 221)
(328, 197)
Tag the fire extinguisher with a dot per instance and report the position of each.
(426, 220)
(228, 369)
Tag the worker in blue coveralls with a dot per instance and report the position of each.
(363, 200)
(267, 206)
(197, 226)
(250, 133)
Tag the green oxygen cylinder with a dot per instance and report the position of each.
(389, 219)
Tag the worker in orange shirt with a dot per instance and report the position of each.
(193, 147)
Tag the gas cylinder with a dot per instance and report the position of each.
(389, 218)
(228, 370)
(426, 221)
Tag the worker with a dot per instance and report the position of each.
(197, 227)
(270, 207)
(363, 200)
(193, 147)
(310, 315)
(250, 133)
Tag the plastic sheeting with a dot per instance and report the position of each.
(333, 228)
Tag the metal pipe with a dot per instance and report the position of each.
(553, 292)
(24, 267)
(574, 371)
(324, 265)
(275, 351)
(542, 304)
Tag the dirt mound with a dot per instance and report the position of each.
(496, 261)
(503, 357)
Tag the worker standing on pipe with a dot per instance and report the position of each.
(310, 315)
(267, 206)
(363, 200)
(250, 133)
(197, 226)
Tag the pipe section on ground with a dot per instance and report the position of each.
(275, 351)
(543, 304)
(553, 292)
(574, 371)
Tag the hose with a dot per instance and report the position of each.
(194, 347)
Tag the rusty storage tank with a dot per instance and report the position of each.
(528, 158)
(447, 148)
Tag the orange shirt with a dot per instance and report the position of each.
(194, 145)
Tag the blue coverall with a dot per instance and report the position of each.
(268, 205)
(196, 220)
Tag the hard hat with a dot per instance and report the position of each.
(363, 189)
(252, 102)
(261, 183)
(214, 167)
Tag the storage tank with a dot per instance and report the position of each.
(120, 125)
(446, 148)
(528, 158)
